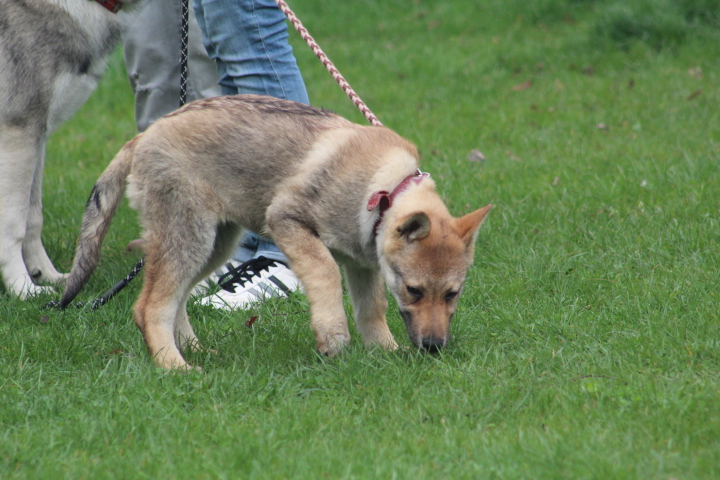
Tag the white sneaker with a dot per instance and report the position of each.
(258, 279)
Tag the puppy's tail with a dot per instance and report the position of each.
(105, 197)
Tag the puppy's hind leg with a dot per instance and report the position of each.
(226, 241)
(36, 259)
(155, 312)
(367, 291)
(185, 337)
(174, 257)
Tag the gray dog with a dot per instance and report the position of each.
(52, 54)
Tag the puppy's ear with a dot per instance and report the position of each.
(415, 226)
(469, 225)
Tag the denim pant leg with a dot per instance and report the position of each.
(248, 39)
(253, 245)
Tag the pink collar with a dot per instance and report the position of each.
(383, 199)
(113, 5)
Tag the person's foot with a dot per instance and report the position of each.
(244, 284)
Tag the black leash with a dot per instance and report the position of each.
(184, 29)
(102, 300)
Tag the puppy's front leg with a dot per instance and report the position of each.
(320, 276)
(367, 291)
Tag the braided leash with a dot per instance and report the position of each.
(184, 29)
(328, 64)
(102, 300)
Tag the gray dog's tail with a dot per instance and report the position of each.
(105, 197)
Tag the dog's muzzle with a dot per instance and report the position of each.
(430, 344)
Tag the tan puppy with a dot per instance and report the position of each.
(323, 188)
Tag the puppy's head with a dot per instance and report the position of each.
(425, 257)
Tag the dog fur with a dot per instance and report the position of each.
(303, 177)
(52, 54)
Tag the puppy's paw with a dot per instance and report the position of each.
(172, 360)
(332, 344)
(377, 334)
(384, 340)
(390, 345)
(187, 368)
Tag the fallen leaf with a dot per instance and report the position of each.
(694, 94)
(476, 156)
(523, 86)
(556, 181)
(44, 319)
(250, 321)
(602, 126)
(509, 154)
(433, 25)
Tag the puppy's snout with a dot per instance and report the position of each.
(426, 331)
(433, 344)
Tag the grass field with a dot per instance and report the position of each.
(586, 344)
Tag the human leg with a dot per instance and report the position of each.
(152, 59)
(248, 39)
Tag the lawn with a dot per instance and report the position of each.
(586, 344)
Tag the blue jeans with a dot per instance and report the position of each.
(248, 39)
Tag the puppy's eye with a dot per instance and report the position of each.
(415, 292)
(450, 295)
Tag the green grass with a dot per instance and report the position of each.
(586, 343)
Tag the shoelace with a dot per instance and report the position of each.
(244, 273)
